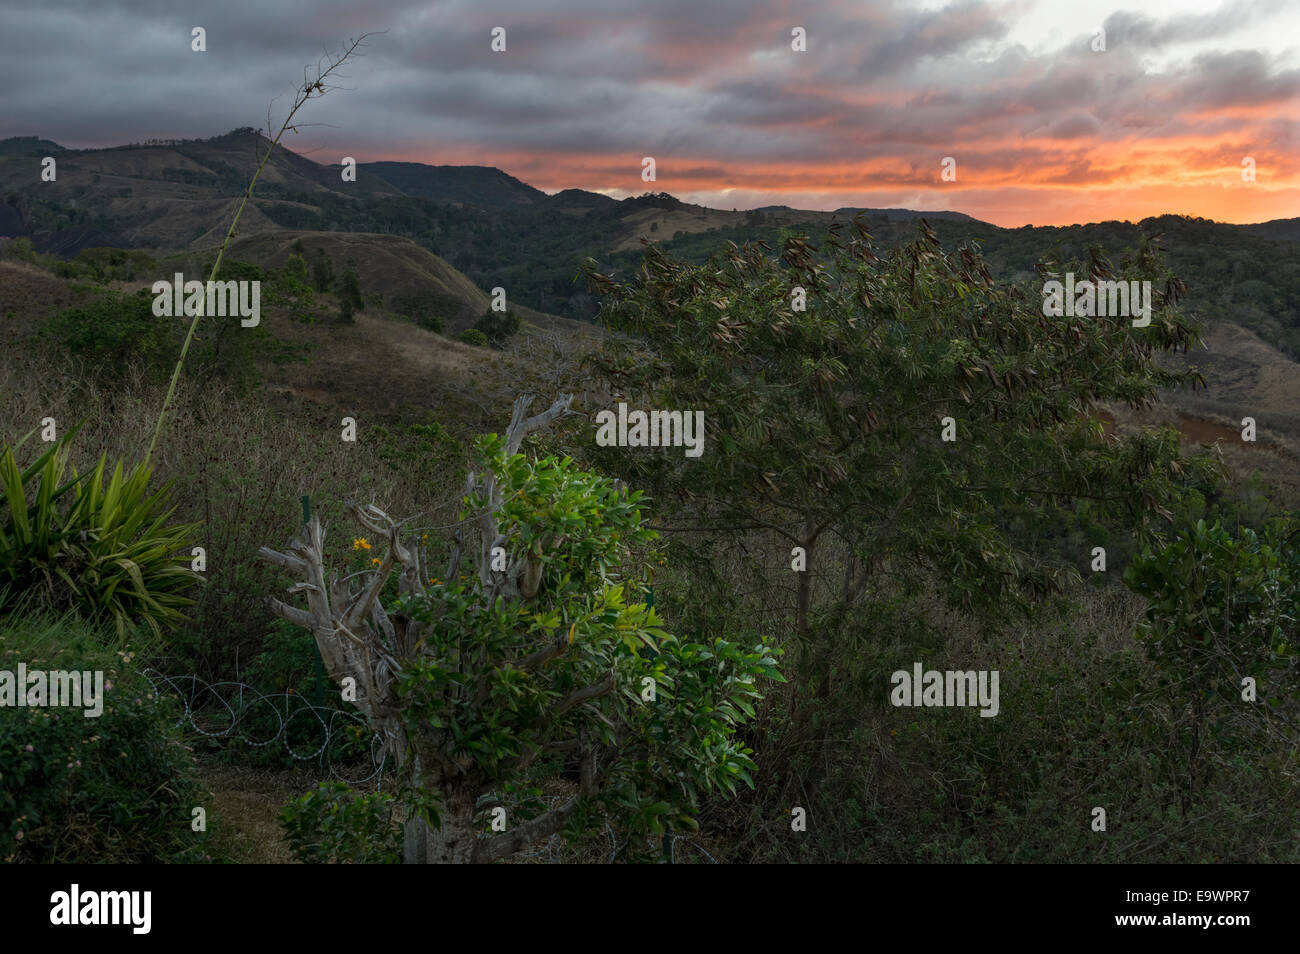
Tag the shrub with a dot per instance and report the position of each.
(350, 290)
(115, 333)
(472, 336)
(233, 270)
(498, 326)
(286, 287)
(322, 271)
(74, 543)
(335, 824)
(1221, 617)
(116, 788)
(21, 250)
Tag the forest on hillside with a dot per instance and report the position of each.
(1232, 273)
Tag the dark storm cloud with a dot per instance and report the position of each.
(710, 88)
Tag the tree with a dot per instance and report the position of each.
(322, 271)
(350, 290)
(498, 326)
(545, 654)
(828, 380)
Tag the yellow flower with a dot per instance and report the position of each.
(360, 544)
(376, 560)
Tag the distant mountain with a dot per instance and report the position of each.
(28, 145)
(581, 199)
(179, 195)
(482, 186)
(409, 280)
(901, 214)
(1285, 229)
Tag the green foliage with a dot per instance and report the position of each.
(350, 290)
(103, 550)
(118, 332)
(117, 788)
(107, 264)
(286, 287)
(20, 249)
(295, 270)
(322, 271)
(287, 661)
(472, 336)
(335, 824)
(1221, 608)
(115, 332)
(498, 326)
(824, 424)
(233, 269)
(285, 686)
(496, 713)
(418, 449)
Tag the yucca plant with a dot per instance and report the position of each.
(107, 551)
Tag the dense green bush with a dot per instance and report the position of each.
(349, 290)
(119, 787)
(335, 824)
(472, 336)
(107, 264)
(115, 333)
(498, 326)
(1221, 625)
(322, 271)
(286, 287)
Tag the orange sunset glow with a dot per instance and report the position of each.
(1052, 113)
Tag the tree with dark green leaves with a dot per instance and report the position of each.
(498, 326)
(901, 415)
(350, 290)
(322, 271)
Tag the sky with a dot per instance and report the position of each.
(1043, 125)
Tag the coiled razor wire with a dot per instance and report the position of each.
(204, 703)
(210, 705)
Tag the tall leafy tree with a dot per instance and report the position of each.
(828, 377)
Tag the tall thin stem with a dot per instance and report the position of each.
(305, 93)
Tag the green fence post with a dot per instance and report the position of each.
(318, 696)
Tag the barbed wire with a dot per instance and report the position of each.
(235, 710)
(229, 709)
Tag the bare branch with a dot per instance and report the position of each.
(579, 696)
(291, 563)
(544, 655)
(507, 844)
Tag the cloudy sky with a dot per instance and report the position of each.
(1043, 127)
